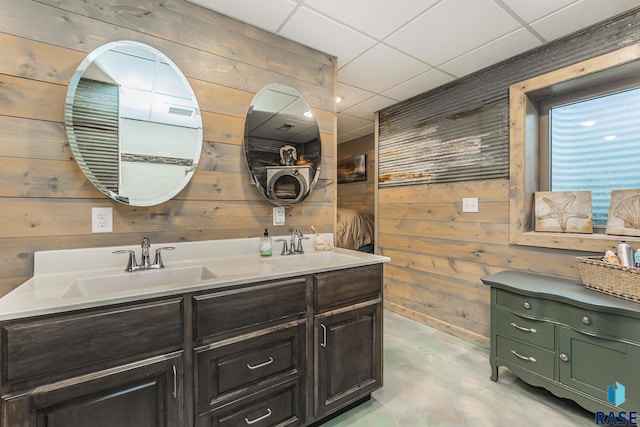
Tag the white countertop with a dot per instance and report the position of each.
(59, 276)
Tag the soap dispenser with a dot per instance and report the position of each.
(266, 245)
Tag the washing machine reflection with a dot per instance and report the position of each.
(287, 185)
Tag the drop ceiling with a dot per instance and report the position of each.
(391, 50)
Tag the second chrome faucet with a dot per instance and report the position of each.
(146, 264)
(296, 243)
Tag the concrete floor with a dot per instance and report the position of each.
(432, 378)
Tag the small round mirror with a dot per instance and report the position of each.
(133, 123)
(282, 145)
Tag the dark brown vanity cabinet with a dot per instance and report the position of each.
(348, 337)
(281, 352)
(250, 355)
(120, 366)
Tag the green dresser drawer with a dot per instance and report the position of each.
(532, 358)
(532, 331)
(529, 306)
(600, 324)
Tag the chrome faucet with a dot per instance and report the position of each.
(296, 241)
(133, 265)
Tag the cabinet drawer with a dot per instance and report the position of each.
(526, 356)
(601, 324)
(248, 364)
(281, 405)
(53, 345)
(228, 311)
(526, 305)
(531, 331)
(345, 286)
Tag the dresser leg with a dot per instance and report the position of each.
(494, 372)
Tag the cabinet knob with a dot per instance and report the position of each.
(564, 357)
(527, 305)
(586, 320)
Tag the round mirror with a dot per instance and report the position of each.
(133, 123)
(282, 145)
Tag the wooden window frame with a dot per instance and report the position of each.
(524, 171)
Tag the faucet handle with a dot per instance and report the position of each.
(300, 249)
(157, 262)
(285, 248)
(132, 265)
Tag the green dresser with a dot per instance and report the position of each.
(575, 342)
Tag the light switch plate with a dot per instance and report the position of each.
(278, 215)
(470, 204)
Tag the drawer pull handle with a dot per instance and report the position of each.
(175, 383)
(324, 335)
(260, 365)
(522, 328)
(586, 320)
(267, 415)
(519, 356)
(527, 305)
(564, 357)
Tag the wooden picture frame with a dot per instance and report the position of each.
(624, 213)
(352, 169)
(563, 211)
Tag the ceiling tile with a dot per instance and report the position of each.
(377, 18)
(580, 15)
(259, 13)
(391, 68)
(503, 48)
(367, 108)
(347, 123)
(351, 96)
(346, 137)
(529, 10)
(365, 130)
(420, 84)
(328, 36)
(452, 28)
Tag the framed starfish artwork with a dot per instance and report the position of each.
(563, 211)
(624, 213)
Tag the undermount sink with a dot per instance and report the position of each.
(314, 259)
(99, 285)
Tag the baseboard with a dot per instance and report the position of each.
(461, 333)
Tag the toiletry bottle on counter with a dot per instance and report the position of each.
(636, 258)
(266, 245)
(625, 254)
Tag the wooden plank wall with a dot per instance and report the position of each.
(359, 196)
(438, 253)
(46, 200)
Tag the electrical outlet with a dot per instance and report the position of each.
(470, 204)
(278, 215)
(101, 220)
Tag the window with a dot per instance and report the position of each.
(532, 165)
(591, 141)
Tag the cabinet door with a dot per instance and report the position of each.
(144, 394)
(348, 355)
(590, 364)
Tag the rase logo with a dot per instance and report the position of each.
(616, 396)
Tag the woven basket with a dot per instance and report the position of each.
(616, 280)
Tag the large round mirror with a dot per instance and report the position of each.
(282, 145)
(133, 123)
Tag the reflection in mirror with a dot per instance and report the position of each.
(133, 123)
(282, 145)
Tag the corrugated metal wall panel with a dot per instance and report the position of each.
(460, 131)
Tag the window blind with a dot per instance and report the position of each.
(595, 145)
